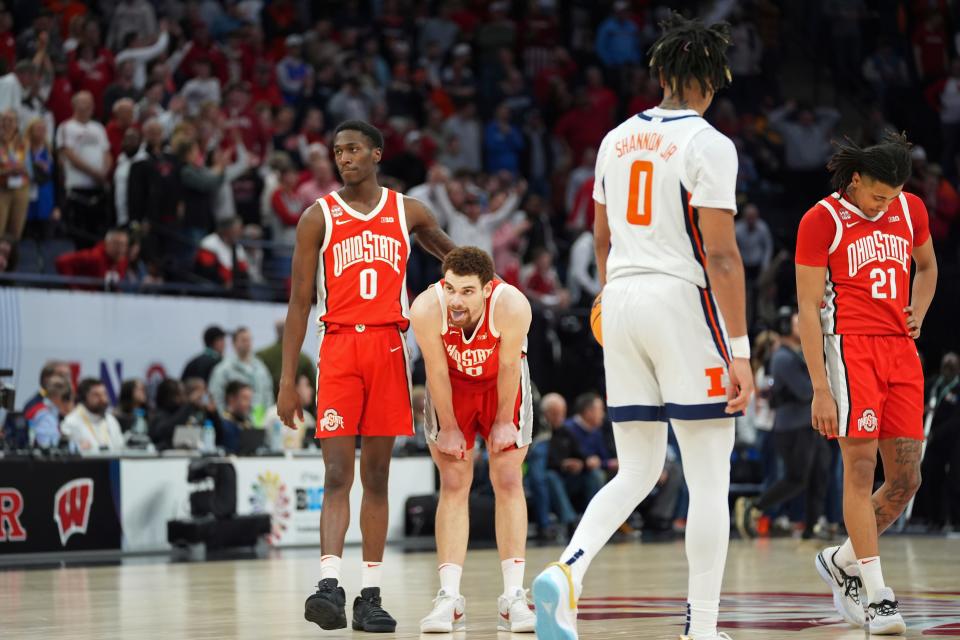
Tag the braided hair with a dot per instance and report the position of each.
(888, 162)
(688, 50)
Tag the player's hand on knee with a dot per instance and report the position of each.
(503, 435)
(741, 385)
(450, 441)
(289, 408)
(824, 413)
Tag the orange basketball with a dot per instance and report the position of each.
(595, 323)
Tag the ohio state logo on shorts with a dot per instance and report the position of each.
(867, 421)
(331, 420)
(71, 507)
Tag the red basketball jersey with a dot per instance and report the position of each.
(474, 358)
(361, 277)
(867, 260)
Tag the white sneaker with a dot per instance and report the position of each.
(515, 615)
(555, 598)
(719, 636)
(447, 615)
(845, 586)
(884, 614)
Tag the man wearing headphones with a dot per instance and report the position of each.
(805, 455)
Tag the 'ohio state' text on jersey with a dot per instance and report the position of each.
(474, 358)
(361, 274)
(867, 259)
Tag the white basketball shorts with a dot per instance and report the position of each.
(665, 350)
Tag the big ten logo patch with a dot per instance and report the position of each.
(336, 211)
(11, 506)
(271, 496)
(71, 508)
(867, 421)
(331, 420)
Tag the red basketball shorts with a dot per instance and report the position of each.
(475, 408)
(877, 382)
(363, 383)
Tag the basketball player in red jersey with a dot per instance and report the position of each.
(352, 245)
(858, 320)
(472, 330)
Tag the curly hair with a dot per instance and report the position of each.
(688, 50)
(469, 261)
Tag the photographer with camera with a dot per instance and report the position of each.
(805, 454)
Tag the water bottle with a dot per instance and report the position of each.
(139, 422)
(276, 435)
(209, 436)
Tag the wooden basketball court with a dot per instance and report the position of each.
(633, 590)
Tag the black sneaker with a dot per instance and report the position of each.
(327, 606)
(369, 616)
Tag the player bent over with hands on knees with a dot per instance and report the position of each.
(665, 199)
(472, 331)
(352, 248)
(858, 320)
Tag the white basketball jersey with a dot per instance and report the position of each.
(653, 171)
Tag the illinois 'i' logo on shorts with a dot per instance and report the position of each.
(331, 420)
(867, 421)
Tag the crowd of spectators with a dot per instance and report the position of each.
(202, 129)
(153, 143)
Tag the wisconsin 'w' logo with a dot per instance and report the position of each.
(71, 507)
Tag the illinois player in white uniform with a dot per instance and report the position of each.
(673, 288)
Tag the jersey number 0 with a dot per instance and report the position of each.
(640, 171)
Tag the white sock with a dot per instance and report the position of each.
(370, 574)
(871, 575)
(845, 555)
(330, 567)
(641, 450)
(450, 578)
(705, 446)
(512, 569)
(702, 618)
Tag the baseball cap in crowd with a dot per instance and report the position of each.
(293, 40)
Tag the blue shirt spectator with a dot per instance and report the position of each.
(586, 429)
(294, 75)
(618, 39)
(44, 411)
(236, 415)
(503, 143)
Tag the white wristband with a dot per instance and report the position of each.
(740, 347)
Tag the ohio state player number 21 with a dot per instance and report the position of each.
(880, 281)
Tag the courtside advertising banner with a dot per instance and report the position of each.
(290, 490)
(59, 506)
